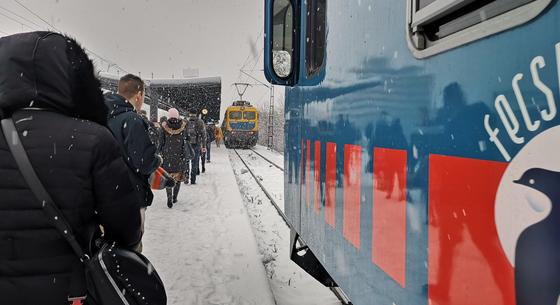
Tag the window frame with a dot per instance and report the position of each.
(312, 18)
(252, 119)
(233, 111)
(294, 39)
(421, 47)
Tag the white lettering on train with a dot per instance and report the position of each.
(507, 116)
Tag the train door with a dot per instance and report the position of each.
(282, 61)
(295, 54)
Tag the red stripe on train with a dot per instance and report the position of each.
(389, 212)
(466, 262)
(330, 184)
(308, 173)
(317, 178)
(352, 194)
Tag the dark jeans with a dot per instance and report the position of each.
(208, 145)
(173, 192)
(194, 164)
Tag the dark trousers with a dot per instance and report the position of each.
(173, 192)
(208, 145)
(203, 160)
(194, 165)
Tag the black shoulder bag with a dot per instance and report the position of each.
(113, 275)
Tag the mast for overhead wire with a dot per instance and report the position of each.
(270, 139)
(270, 127)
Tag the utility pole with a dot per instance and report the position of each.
(270, 127)
(270, 140)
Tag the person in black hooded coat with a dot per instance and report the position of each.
(176, 151)
(48, 87)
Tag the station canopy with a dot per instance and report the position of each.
(183, 94)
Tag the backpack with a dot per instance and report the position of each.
(210, 134)
(191, 131)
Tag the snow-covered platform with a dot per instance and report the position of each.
(204, 248)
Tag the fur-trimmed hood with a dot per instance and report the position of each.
(49, 70)
(174, 126)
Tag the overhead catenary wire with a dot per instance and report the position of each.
(60, 31)
(248, 56)
(15, 20)
(37, 15)
(21, 17)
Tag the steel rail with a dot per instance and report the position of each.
(268, 160)
(268, 195)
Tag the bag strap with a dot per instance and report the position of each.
(78, 289)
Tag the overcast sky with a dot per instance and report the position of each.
(160, 37)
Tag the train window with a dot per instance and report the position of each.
(235, 115)
(282, 38)
(438, 25)
(249, 115)
(316, 36)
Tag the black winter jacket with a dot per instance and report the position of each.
(76, 158)
(131, 132)
(176, 148)
(196, 131)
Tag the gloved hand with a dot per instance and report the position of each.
(160, 160)
(203, 150)
(170, 182)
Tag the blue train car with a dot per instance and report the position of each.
(422, 146)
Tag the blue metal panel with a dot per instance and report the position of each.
(437, 105)
(242, 125)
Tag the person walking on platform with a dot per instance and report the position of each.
(196, 133)
(48, 87)
(176, 151)
(131, 132)
(205, 157)
(218, 135)
(210, 137)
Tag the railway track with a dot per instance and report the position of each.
(268, 195)
(268, 160)
(336, 290)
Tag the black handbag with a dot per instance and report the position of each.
(112, 275)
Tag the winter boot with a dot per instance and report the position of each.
(176, 192)
(169, 191)
(193, 179)
(203, 168)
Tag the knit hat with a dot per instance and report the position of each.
(173, 113)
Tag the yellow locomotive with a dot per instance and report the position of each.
(241, 125)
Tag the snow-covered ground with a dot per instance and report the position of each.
(209, 252)
(289, 283)
(276, 157)
(204, 248)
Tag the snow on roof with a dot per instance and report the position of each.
(171, 81)
(184, 81)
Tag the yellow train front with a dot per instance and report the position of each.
(241, 125)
